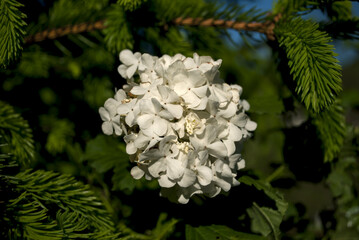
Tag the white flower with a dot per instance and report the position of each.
(111, 119)
(183, 126)
(130, 63)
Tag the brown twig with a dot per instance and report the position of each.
(62, 31)
(262, 27)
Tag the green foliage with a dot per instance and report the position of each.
(217, 232)
(266, 220)
(343, 29)
(11, 31)
(281, 204)
(342, 181)
(311, 62)
(104, 153)
(162, 230)
(266, 104)
(35, 64)
(97, 91)
(130, 5)
(60, 134)
(53, 206)
(340, 10)
(17, 133)
(331, 127)
(118, 35)
(66, 12)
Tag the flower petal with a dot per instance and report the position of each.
(128, 58)
(157, 167)
(175, 170)
(105, 116)
(217, 149)
(165, 182)
(188, 178)
(137, 90)
(250, 125)
(107, 128)
(131, 70)
(137, 172)
(145, 121)
(160, 126)
(235, 133)
(204, 175)
(231, 147)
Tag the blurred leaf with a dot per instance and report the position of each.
(97, 91)
(215, 232)
(122, 179)
(104, 153)
(163, 227)
(35, 64)
(266, 104)
(265, 221)
(281, 204)
(61, 132)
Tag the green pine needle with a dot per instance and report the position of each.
(17, 133)
(331, 129)
(11, 31)
(55, 206)
(117, 32)
(311, 61)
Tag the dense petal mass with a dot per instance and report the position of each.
(182, 125)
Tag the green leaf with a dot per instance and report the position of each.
(11, 31)
(60, 135)
(265, 221)
(105, 152)
(215, 232)
(281, 204)
(311, 62)
(17, 133)
(163, 228)
(122, 179)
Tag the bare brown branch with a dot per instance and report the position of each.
(262, 27)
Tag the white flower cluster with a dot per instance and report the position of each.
(182, 124)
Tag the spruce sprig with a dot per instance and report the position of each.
(17, 133)
(11, 31)
(331, 130)
(311, 61)
(50, 205)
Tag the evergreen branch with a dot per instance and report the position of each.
(331, 129)
(54, 206)
(343, 29)
(11, 31)
(261, 27)
(311, 62)
(17, 133)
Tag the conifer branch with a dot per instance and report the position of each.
(261, 27)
